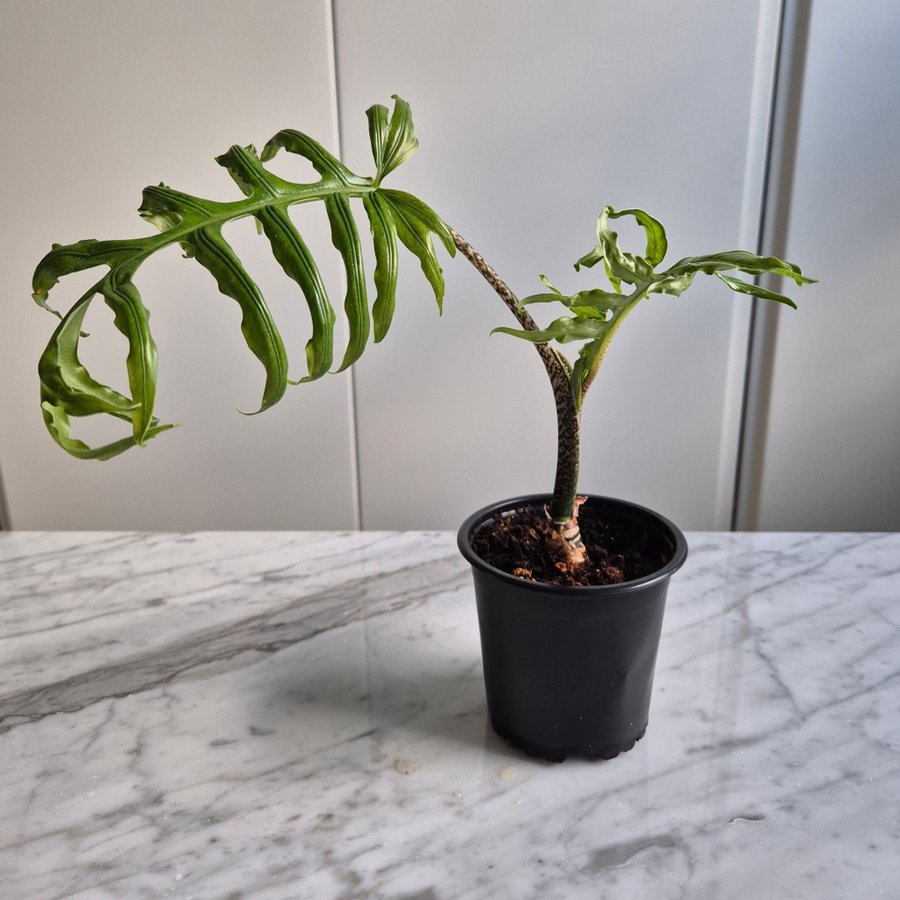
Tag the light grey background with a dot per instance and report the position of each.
(833, 438)
(531, 116)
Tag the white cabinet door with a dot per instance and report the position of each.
(531, 116)
(101, 98)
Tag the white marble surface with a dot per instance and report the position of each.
(221, 715)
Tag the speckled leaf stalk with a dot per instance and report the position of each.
(568, 413)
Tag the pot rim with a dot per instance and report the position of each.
(468, 527)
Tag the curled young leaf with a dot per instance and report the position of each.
(620, 266)
(599, 313)
(657, 244)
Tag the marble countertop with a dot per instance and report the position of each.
(301, 715)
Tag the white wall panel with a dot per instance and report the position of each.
(831, 457)
(531, 116)
(99, 99)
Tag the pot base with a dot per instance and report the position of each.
(553, 754)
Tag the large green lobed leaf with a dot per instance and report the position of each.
(195, 224)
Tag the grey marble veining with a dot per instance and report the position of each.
(271, 715)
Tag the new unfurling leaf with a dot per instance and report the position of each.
(597, 314)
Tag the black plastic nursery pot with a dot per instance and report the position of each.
(569, 670)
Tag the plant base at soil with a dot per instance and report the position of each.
(521, 542)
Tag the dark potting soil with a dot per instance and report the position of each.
(620, 547)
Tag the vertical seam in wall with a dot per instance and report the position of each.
(746, 435)
(758, 139)
(352, 419)
(5, 521)
(775, 209)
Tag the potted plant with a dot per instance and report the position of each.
(570, 590)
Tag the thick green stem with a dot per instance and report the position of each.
(562, 507)
(565, 488)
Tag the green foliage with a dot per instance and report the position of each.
(597, 314)
(195, 224)
(395, 217)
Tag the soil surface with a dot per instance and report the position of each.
(621, 546)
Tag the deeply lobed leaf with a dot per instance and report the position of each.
(195, 224)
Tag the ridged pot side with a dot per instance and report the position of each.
(569, 670)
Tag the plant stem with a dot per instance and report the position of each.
(568, 419)
(635, 297)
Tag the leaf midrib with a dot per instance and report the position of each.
(239, 209)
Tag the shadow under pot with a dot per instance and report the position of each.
(569, 670)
